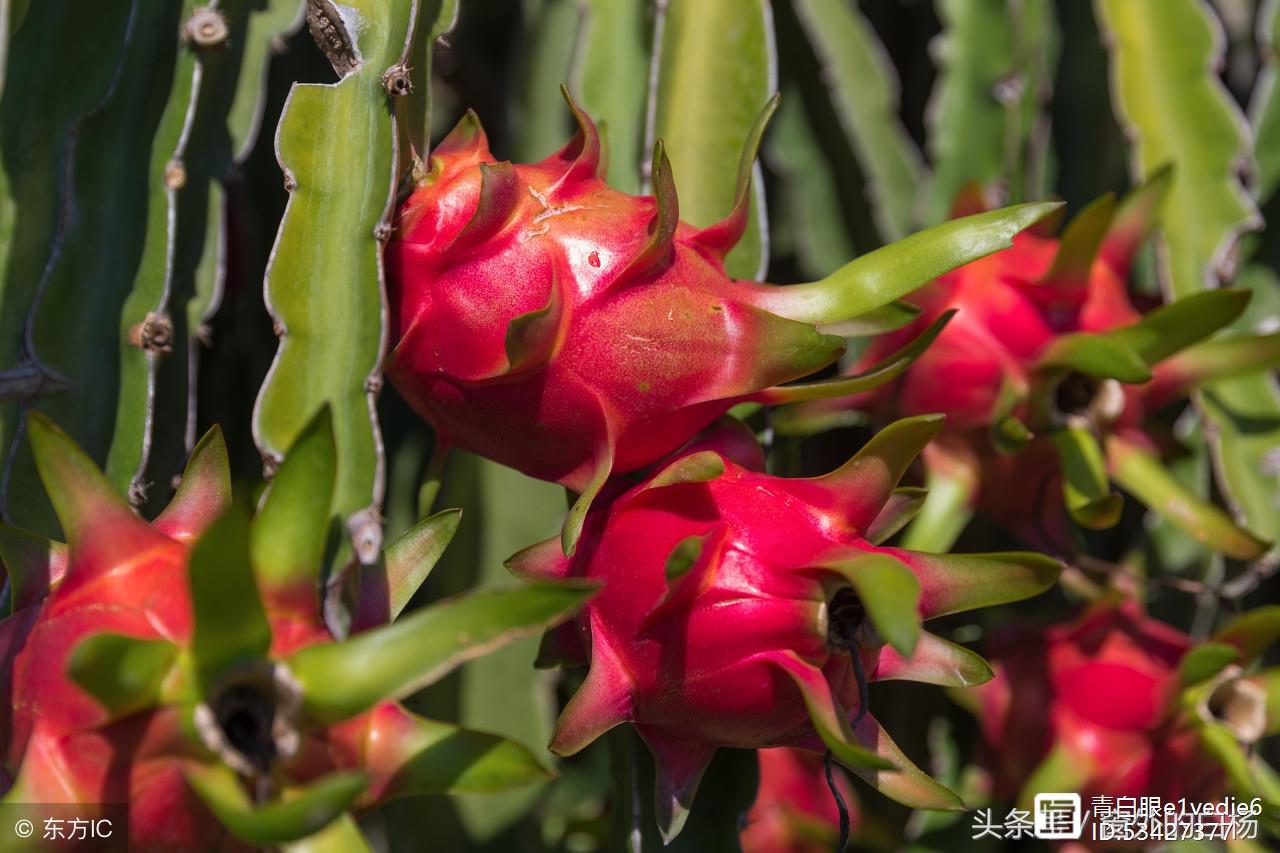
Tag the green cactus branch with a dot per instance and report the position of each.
(145, 324)
(337, 145)
(610, 69)
(1264, 104)
(1177, 111)
(433, 19)
(995, 59)
(44, 105)
(698, 46)
(1165, 83)
(864, 90)
(190, 154)
(94, 175)
(273, 21)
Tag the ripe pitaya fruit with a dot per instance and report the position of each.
(549, 322)
(795, 810)
(1048, 356)
(1117, 704)
(743, 610)
(182, 667)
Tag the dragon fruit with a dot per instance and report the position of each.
(1117, 704)
(1049, 376)
(794, 810)
(744, 610)
(551, 323)
(182, 667)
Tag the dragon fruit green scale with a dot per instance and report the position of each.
(569, 330)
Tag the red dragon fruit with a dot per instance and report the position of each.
(569, 330)
(1117, 704)
(1047, 355)
(743, 610)
(794, 810)
(167, 665)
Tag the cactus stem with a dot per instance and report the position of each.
(30, 380)
(333, 35)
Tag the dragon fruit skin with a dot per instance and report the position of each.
(1010, 307)
(1004, 322)
(794, 810)
(119, 575)
(993, 364)
(726, 616)
(1108, 679)
(543, 319)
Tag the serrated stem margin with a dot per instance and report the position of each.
(363, 522)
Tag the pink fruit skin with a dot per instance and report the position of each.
(794, 810)
(704, 667)
(997, 331)
(646, 341)
(728, 650)
(1099, 688)
(1006, 318)
(67, 750)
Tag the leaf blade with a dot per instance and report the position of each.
(229, 623)
(124, 674)
(306, 811)
(342, 679)
(889, 273)
(1141, 474)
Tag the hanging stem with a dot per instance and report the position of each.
(842, 807)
